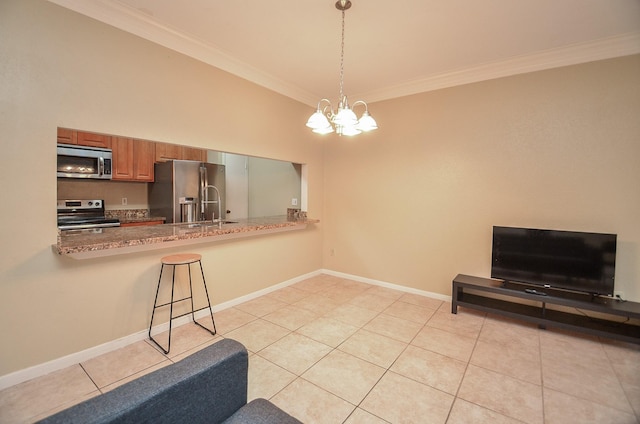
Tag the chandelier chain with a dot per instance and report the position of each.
(342, 61)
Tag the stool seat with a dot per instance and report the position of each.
(181, 259)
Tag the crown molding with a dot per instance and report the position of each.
(607, 48)
(135, 22)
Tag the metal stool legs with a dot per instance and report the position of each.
(172, 260)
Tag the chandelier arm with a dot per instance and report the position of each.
(360, 102)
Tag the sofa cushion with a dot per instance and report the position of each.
(261, 411)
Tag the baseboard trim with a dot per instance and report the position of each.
(388, 285)
(39, 370)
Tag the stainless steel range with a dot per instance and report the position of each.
(82, 214)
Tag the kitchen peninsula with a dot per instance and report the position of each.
(93, 243)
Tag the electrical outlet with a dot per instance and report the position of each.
(124, 201)
(294, 202)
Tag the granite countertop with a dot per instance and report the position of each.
(82, 244)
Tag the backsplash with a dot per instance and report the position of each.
(127, 214)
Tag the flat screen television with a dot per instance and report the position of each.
(578, 261)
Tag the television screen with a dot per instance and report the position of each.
(570, 260)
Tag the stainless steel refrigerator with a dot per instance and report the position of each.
(187, 191)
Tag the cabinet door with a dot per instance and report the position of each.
(123, 159)
(143, 160)
(166, 151)
(67, 136)
(94, 140)
(192, 153)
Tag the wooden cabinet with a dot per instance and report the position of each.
(93, 140)
(193, 153)
(166, 151)
(122, 159)
(143, 155)
(132, 159)
(67, 136)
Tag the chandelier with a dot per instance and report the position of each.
(343, 121)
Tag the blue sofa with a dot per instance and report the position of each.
(209, 386)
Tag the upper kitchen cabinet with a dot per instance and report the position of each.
(67, 136)
(132, 159)
(166, 151)
(193, 153)
(94, 140)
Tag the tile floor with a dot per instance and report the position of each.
(330, 350)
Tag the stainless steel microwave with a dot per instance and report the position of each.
(84, 162)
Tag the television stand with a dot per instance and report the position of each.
(502, 298)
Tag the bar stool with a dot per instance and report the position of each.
(177, 260)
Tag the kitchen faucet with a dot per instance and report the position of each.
(205, 200)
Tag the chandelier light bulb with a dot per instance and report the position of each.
(345, 121)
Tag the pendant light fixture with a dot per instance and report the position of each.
(343, 121)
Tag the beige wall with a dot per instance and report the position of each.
(414, 203)
(59, 68)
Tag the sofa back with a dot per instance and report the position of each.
(206, 387)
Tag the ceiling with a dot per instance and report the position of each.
(392, 48)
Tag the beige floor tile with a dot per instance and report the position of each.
(351, 314)
(328, 331)
(373, 347)
(311, 404)
(581, 411)
(372, 301)
(463, 324)
(344, 375)
(45, 395)
(316, 284)
(513, 360)
(290, 317)
(136, 375)
(360, 416)
(55, 410)
(194, 349)
(317, 303)
(510, 332)
(580, 367)
(500, 393)
(289, 294)
(230, 319)
(395, 328)
(398, 399)
(185, 337)
(430, 368)
(385, 292)
(265, 378)
(464, 412)
(445, 343)
(114, 366)
(258, 334)
(261, 306)
(342, 294)
(410, 312)
(295, 352)
(424, 301)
